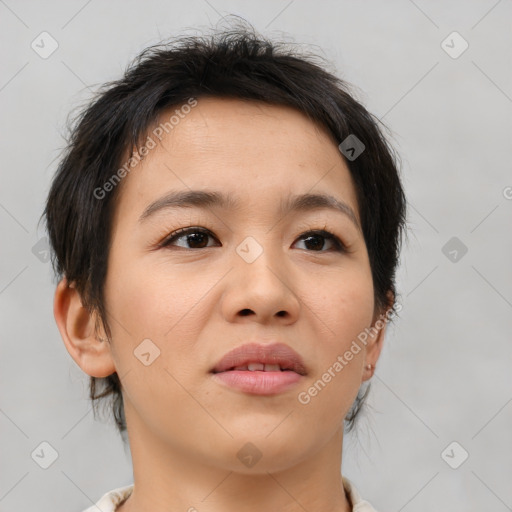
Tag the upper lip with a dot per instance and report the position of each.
(275, 353)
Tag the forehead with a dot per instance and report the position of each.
(250, 150)
(242, 129)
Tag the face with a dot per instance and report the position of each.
(187, 283)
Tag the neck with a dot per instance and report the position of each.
(171, 478)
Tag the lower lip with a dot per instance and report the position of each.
(258, 382)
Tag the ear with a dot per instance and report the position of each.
(77, 327)
(376, 338)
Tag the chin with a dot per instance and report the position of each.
(259, 455)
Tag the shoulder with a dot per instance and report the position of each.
(110, 500)
(358, 504)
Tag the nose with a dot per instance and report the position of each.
(261, 291)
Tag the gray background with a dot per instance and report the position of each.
(445, 373)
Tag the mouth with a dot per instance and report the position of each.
(256, 366)
(260, 369)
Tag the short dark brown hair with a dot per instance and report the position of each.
(232, 63)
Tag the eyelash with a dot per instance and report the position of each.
(339, 246)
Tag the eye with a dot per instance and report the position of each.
(193, 238)
(315, 240)
(197, 238)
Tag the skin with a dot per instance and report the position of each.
(196, 304)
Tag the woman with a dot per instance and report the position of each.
(226, 225)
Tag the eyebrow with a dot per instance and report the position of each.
(206, 199)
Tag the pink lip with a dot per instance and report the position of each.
(260, 382)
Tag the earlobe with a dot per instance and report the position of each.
(376, 340)
(373, 350)
(77, 327)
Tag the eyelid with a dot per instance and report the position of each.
(308, 228)
(178, 233)
(340, 245)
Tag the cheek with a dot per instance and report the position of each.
(345, 303)
(332, 389)
(343, 309)
(148, 301)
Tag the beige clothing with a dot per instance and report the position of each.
(110, 500)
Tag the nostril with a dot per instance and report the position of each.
(245, 312)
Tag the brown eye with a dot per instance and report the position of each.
(315, 241)
(190, 238)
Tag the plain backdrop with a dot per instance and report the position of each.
(437, 434)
